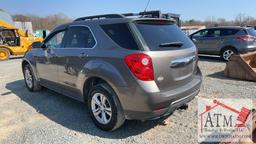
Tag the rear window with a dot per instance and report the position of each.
(251, 32)
(229, 32)
(242, 32)
(157, 34)
(121, 34)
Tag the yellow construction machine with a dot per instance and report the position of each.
(14, 41)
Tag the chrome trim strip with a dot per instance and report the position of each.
(182, 62)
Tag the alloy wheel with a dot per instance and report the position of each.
(101, 108)
(227, 54)
(28, 78)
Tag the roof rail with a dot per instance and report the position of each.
(100, 17)
(145, 14)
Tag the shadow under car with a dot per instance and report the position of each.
(73, 114)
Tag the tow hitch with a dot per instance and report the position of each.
(183, 107)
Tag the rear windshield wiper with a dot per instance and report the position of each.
(171, 44)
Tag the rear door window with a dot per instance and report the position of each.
(251, 32)
(212, 33)
(229, 32)
(79, 37)
(121, 34)
(156, 34)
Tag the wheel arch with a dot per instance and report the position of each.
(90, 82)
(103, 71)
(226, 47)
(23, 63)
(94, 80)
(26, 61)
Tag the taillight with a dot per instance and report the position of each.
(246, 38)
(141, 66)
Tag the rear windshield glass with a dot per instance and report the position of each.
(251, 32)
(157, 34)
(120, 34)
(241, 32)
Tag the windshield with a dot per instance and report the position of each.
(157, 34)
(251, 32)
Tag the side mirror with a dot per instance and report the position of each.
(37, 45)
(44, 34)
(43, 46)
(193, 39)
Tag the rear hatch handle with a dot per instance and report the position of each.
(182, 62)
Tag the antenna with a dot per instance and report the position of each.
(146, 6)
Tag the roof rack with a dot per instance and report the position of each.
(146, 14)
(100, 17)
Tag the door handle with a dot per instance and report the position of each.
(82, 55)
(50, 52)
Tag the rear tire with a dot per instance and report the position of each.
(105, 108)
(31, 83)
(4, 54)
(226, 53)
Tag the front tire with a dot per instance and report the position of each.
(31, 83)
(105, 108)
(227, 53)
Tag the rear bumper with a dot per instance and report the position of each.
(156, 105)
(248, 49)
(138, 115)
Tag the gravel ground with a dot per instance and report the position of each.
(47, 117)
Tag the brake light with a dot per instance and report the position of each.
(246, 38)
(141, 66)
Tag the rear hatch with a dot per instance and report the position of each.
(246, 36)
(173, 54)
(252, 33)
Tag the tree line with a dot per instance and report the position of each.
(47, 22)
(51, 21)
(240, 20)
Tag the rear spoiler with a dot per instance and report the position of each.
(154, 21)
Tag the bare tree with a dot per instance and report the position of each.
(240, 20)
(48, 22)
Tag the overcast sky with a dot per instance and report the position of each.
(189, 9)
